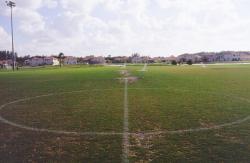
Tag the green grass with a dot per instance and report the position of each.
(164, 98)
(89, 110)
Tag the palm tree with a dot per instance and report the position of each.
(60, 57)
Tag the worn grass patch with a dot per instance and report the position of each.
(84, 111)
(164, 98)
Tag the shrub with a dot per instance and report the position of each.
(189, 62)
(173, 62)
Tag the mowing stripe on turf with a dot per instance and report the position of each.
(125, 124)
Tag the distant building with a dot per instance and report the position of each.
(92, 60)
(51, 61)
(86, 60)
(35, 61)
(208, 58)
(120, 59)
(136, 58)
(97, 60)
(6, 64)
(245, 57)
(170, 59)
(189, 57)
(40, 61)
(145, 59)
(159, 59)
(228, 56)
(69, 60)
(224, 56)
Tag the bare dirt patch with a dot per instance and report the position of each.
(143, 144)
(124, 73)
(131, 79)
(206, 124)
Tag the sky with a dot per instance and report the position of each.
(123, 27)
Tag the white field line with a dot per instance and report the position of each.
(216, 127)
(125, 152)
(203, 65)
(144, 67)
(49, 130)
(126, 132)
(221, 64)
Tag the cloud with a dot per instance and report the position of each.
(119, 27)
(78, 6)
(29, 4)
(29, 21)
(50, 3)
(5, 39)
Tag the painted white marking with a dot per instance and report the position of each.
(144, 67)
(203, 65)
(126, 132)
(114, 65)
(216, 127)
(125, 125)
(221, 64)
(49, 130)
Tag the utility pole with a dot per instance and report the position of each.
(11, 5)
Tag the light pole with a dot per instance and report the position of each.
(11, 5)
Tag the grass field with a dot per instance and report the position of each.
(167, 114)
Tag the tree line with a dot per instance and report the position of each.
(5, 55)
